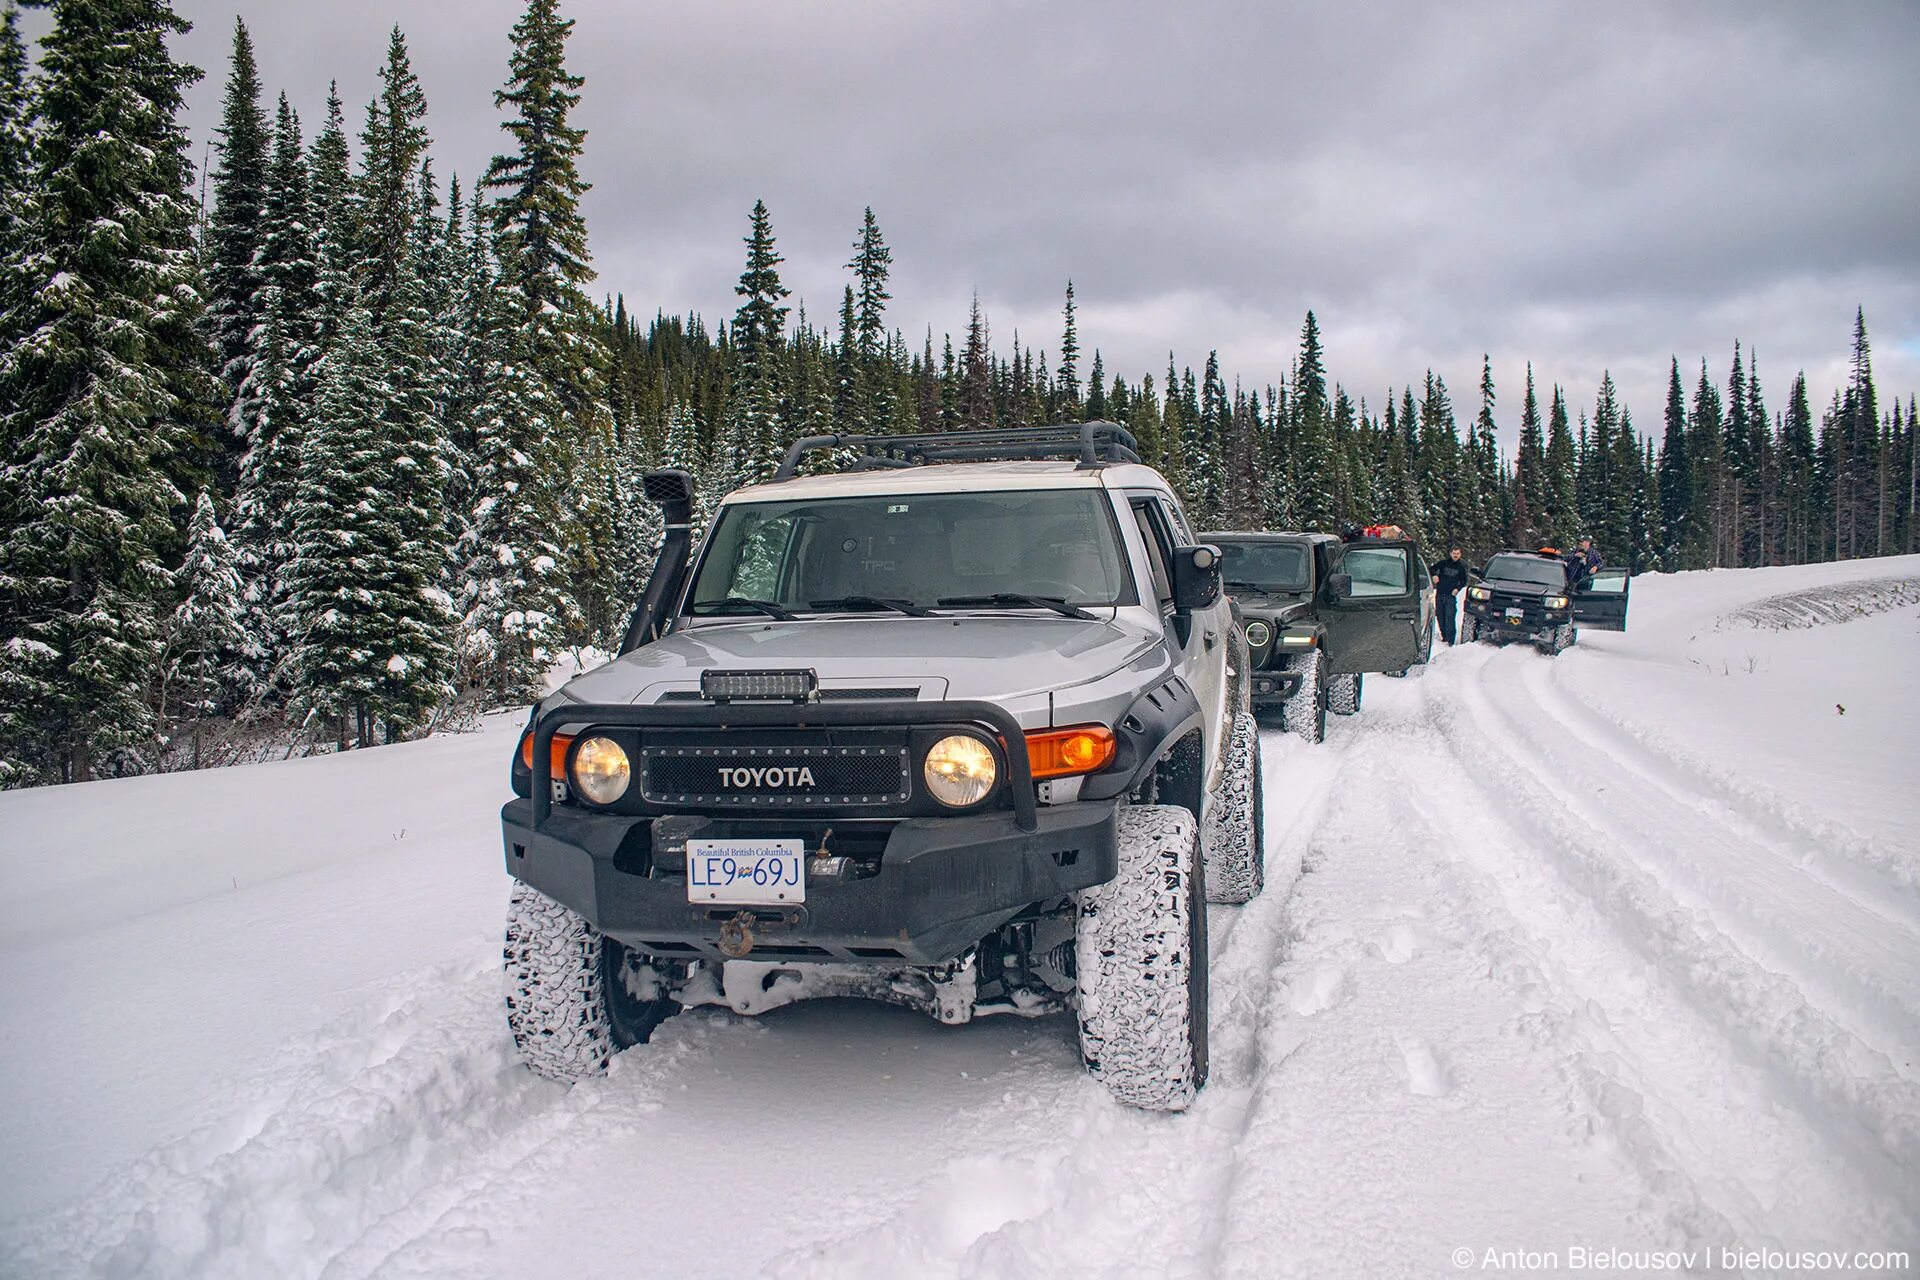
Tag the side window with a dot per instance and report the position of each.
(1377, 571)
(1607, 582)
(1159, 549)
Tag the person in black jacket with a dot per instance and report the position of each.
(1449, 578)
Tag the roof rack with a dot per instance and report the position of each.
(1095, 444)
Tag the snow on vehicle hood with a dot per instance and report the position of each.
(996, 656)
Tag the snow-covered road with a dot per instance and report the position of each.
(1615, 951)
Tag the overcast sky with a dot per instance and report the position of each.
(1584, 186)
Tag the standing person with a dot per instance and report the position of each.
(1585, 562)
(1449, 578)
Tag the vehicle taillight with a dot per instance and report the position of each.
(558, 755)
(1058, 753)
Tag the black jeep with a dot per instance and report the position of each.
(1320, 613)
(1542, 599)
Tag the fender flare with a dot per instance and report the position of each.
(1152, 729)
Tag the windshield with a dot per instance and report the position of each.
(1266, 566)
(838, 554)
(1541, 573)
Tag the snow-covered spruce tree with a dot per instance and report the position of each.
(541, 244)
(235, 232)
(373, 621)
(264, 501)
(1562, 521)
(1066, 406)
(279, 392)
(511, 592)
(759, 328)
(105, 400)
(208, 649)
(17, 198)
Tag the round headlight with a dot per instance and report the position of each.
(600, 770)
(960, 770)
(1258, 634)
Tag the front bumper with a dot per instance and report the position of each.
(942, 884)
(1499, 623)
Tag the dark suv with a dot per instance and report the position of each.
(1319, 614)
(1534, 597)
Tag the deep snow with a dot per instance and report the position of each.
(1619, 950)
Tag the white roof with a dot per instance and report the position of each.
(953, 477)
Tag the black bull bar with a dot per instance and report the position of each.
(787, 715)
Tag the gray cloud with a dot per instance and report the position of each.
(1586, 187)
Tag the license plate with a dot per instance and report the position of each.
(1516, 615)
(746, 871)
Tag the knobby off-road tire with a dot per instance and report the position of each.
(1469, 629)
(1306, 710)
(567, 1001)
(1343, 694)
(1234, 834)
(1141, 957)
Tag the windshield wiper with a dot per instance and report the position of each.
(740, 604)
(1006, 598)
(907, 607)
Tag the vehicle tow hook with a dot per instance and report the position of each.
(736, 936)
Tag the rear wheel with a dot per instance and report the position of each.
(575, 997)
(1235, 829)
(1307, 708)
(1343, 694)
(1141, 958)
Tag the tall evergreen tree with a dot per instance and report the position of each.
(1675, 476)
(1564, 522)
(105, 408)
(871, 264)
(1067, 384)
(240, 184)
(1532, 498)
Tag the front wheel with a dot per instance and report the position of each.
(1235, 829)
(575, 997)
(1343, 695)
(1306, 710)
(1141, 958)
(1469, 629)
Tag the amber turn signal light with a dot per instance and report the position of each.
(558, 755)
(1058, 753)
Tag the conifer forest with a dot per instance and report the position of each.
(322, 448)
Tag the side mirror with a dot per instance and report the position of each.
(1340, 585)
(1197, 577)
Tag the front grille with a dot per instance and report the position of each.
(774, 777)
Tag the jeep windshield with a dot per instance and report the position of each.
(907, 552)
(1528, 569)
(1265, 566)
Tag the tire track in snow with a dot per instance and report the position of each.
(1847, 1093)
(1418, 1034)
(1857, 862)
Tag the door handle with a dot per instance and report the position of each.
(1408, 615)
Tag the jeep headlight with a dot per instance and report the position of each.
(600, 770)
(1258, 633)
(1479, 593)
(1555, 602)
(960, 770)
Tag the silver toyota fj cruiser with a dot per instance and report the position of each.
(964, 726)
